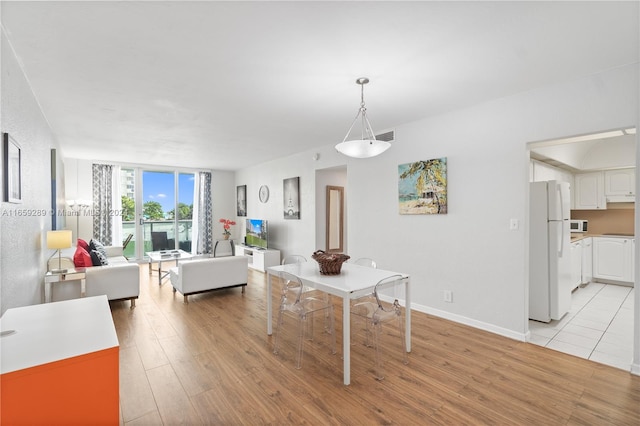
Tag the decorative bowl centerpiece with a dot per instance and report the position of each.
(330, 263)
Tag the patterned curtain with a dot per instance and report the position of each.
(203, 214)
(116, 204)
(102, 203)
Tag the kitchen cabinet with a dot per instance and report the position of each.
(589, 191)
(576, 264)
(587, 260)
(613, 258)
(620, 185)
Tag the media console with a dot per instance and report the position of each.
(259, 259)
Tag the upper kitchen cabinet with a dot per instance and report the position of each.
(589, 191)
(620, 185)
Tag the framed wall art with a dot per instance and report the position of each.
(54, 190)
(12, 163)
(422, 187)
(241, 200)
(291, 198)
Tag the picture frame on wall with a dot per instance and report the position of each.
(12, 163)
(241, 200)
(54, 190)
(291, 198)
(422, 187)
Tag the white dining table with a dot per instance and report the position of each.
(353, 282)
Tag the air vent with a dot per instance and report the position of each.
(387, 137)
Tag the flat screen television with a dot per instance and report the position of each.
(257, 233)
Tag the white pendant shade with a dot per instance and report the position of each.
(367, 146)
(359, 148)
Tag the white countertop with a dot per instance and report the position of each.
(55, 331)
(577, 236)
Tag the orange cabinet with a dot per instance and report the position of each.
(60, 364)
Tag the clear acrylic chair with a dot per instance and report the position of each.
(293, 258)
(366, 261)
(377, 312)
(298, 258)
(369, 263)
(302, 306)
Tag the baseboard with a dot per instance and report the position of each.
(635, 369)
(523, 337)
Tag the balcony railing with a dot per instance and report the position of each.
(184, 236)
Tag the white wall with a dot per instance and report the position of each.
(289, 236)
(23, 252)
(223, 197)
(469, 251)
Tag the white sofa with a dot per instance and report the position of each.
(200, 275)
(119, 280)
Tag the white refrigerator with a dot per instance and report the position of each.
(549, 251)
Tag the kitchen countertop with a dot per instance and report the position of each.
(576, 236)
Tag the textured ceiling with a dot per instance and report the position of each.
(225, 85)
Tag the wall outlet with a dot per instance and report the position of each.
(448, 296)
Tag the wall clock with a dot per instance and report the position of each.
(264, 194)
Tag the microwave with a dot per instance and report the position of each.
(578, 225)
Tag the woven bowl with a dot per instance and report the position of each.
(329, 263)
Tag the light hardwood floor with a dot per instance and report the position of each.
(211, 362)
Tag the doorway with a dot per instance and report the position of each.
(600, 324)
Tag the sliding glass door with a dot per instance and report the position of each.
(183, 211)
(158, 210)
(158, 199)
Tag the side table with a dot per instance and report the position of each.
(229, 245)
(73, 274)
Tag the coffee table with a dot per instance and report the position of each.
(163, 256)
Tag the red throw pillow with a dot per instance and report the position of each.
(83, 244)
(81, 258)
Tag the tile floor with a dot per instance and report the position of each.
(599, 326)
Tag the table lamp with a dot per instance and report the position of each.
(59, 240)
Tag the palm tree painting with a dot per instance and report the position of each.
(422, 187)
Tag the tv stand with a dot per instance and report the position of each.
(259, 259)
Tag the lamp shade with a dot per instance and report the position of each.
(362, 148)
(58, 239)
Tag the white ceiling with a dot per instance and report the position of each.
(224, 85)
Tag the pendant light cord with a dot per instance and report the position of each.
(367, 132)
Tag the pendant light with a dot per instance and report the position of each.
(367, 145)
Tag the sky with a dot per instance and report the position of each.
(159, 186)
